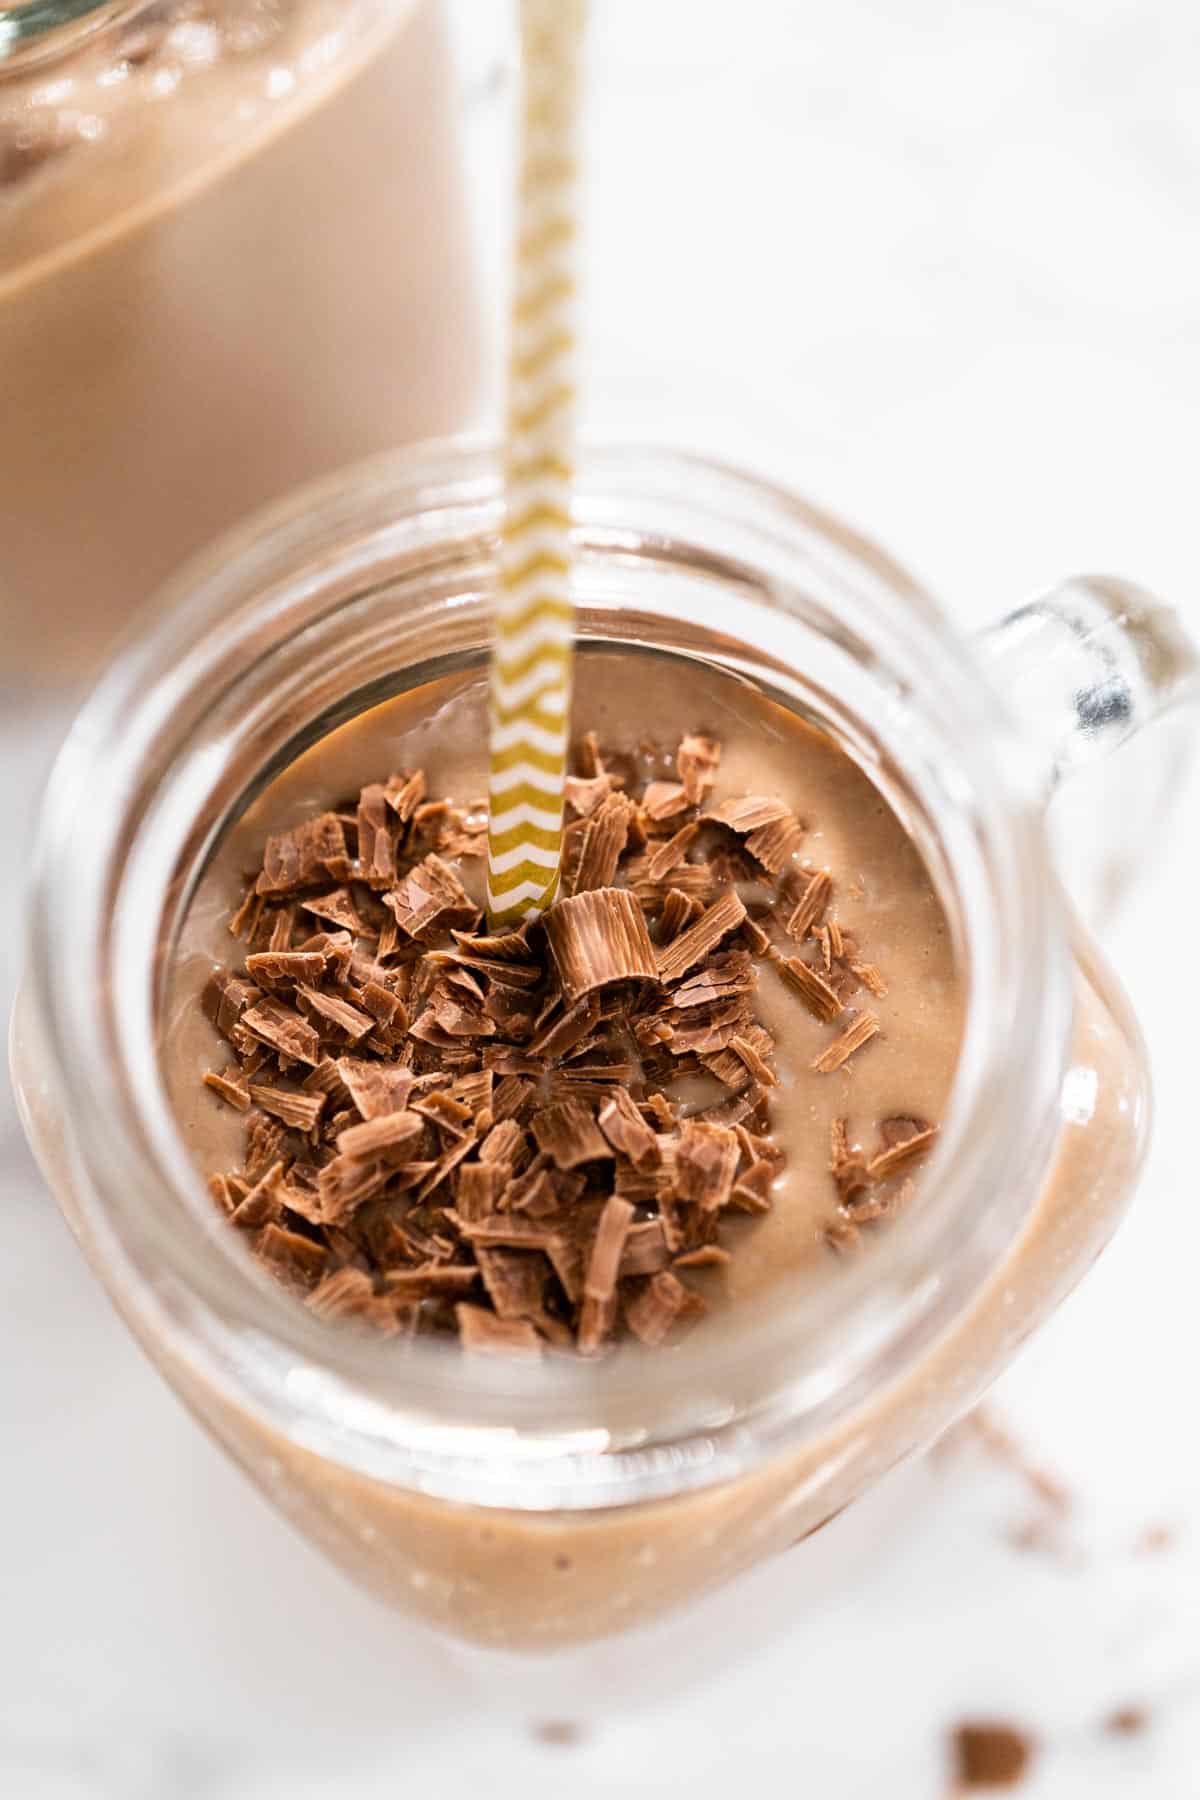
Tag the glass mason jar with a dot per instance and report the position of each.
(233, 256)
(537, 1507)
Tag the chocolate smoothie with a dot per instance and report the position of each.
(232, 257)
(868, 941)
(539, 1579)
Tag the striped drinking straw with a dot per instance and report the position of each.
(533, 616)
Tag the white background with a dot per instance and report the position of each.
(938, 266)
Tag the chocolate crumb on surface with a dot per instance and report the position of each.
(528, 1138)
(990, 1755)
(1127, 1721)
(559, 1734)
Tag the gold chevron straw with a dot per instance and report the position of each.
(533, 619)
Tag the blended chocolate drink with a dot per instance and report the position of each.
(829, 1117)
(720, 1060)
(232, 257)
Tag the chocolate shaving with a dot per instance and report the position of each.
(346, 1183)
(627, 1131)
(508, 1231)
(344, 1294)
(512, 1098)
(569, 1135)
(515, 1281)
(660, 1304)
(599, 1309)
(871, 978)
(697, 760)
(244, 922)
(660, 862)
(599, 937)
(454, 1129)
(502, 947)
(305, 856)
(445, 1166)
(678, 909)
(535, 1193)
(231, 1087)
(481, 1330)
(813, 989)
(389, 1137)
(731, 1068)
(503, 1144)
(376, 837)
(707, 1256)
(432, 1281)
(810, 908)
(705, 1164)
(776, 843)
(665, 800)
(284, 968)
(347, 1021)
(261, 1202)
(282, 1029)
(404, 793)
(645, 1251)
(759, 1068)
(748, 812)
(299, 1110)
(603, 841)
(441, 1108)
(339, 909)
(584, 793)
(752, 1191)
(754, 937)
(856, 1034)
(430, 896)
(375, 1088)
(695, 881)
(722, 976)
(896, 1155)
(293, 1253)
(226, 998)
(478, 1191)
(692, 945)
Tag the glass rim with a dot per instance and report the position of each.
(571, 1434)
(34, 30)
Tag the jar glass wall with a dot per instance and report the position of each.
(233, 256)
(539, 1507)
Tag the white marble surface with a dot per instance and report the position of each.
(938, 265)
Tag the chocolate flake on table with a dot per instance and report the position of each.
(452, 1131)
(990, 1755)
(1127, 1721)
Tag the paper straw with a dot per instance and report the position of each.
(533, 622)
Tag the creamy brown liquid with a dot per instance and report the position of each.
(882, 894)
(226, 267)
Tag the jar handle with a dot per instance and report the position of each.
(1083, 669)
